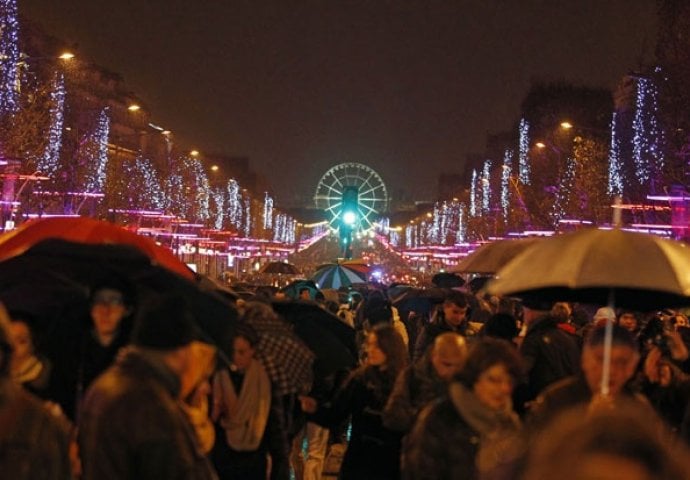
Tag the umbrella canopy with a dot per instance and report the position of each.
(292, 289)
(638, 271)
(338, 275)
(90, 231)
(279, 268)
(491, 257)
(56, 274)
(288, 361)
(331, 340)
(447, 280)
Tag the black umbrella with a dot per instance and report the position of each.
(279, 268)
(331, 340)
(56, 275)
(447, 280)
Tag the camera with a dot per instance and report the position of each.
(656, 330)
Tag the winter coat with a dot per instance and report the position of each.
(132, 426)
(34, 443)
(373, 451)
(456, 438)
(549, 354)
(414, 388)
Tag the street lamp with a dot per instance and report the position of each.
(133, 107)
(565, 125)
(194, 153)
(66, 56)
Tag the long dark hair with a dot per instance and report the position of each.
(391, 344)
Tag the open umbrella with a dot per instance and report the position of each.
(614, 267)
(54, 275)
(292, 289)
(447, 280)
(90, 231)
(331, 340)
(338, 275)
(279, 268)
(288, 361)
(491, 257)
(641, 272)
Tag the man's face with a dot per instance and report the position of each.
(623, 362)
(107, 311)
(454, 314)
(304, 295)
(447, 364)
(628, 321)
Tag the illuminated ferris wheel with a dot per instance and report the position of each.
(353, 194)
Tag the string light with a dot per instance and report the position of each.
(647, 134)
(146, 185)
(49, 163)
(234, 204)
(615, 184)
(9, 57)
(523, 159)
(218, 197)
(96, 153)
(247, 216)
(473, 194)
(505, 182)
(268, 212)
(486, 187)
(565, 191)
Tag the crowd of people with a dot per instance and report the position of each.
(479, 388)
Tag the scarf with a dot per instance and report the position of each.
(243, 416)
(497, 429)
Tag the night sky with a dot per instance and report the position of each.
(406, 87)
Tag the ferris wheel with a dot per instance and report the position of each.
(353, 193)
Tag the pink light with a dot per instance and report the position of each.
(668, 198)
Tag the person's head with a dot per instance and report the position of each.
(166, 327)
(22, 337)
(628, 320)
(111, 301)
(385, 348)
(561, 311)
(624, 358)
(319, 297)
(603, 315)
(606, 444)
(491, 369)
(304, 293)
(244, 344)
(455, 307)
(6, 343)
(501, 325)
(534, 308)
(448, 354)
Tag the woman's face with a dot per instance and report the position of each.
(242, 353)
(375, 356)
(494, 387)
(23, 344)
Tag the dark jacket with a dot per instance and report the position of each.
(549, 354)
(415, 387)
(373, 451)
(34, 443)
(444, 445)
(132, 426)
